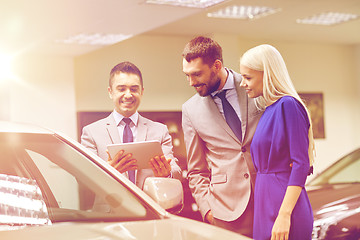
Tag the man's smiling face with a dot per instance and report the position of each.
(201, 76)
(126, 92)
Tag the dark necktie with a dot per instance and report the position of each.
(231, 117)
(128, 137)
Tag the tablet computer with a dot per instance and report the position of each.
(141, 151)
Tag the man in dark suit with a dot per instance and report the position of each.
(126, 90)
(220, 170)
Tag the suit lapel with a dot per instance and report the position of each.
(141, 129)
(243, 103)
(112, 129)
(215, 116)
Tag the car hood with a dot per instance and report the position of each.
(176, 228)
(336, 210)
(328, 196)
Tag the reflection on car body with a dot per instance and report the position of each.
(78, 187)
(335, 198)
(21, 202)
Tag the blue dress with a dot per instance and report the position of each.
(280, 154)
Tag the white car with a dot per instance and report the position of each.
(51, 187)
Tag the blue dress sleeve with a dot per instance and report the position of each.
(296, 130)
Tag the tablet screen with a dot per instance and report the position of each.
(141, 151)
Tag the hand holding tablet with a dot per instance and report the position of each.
(141, 151)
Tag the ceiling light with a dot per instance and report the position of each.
(243, 12)
(328, 18)
(187, 3)
(94, 39)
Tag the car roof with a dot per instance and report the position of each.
(16, 127)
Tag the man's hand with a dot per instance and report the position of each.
(160, 166)
(209, 217)
(122, 162)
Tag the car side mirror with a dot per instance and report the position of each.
(167, 192)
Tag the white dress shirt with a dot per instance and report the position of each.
(231, 95)
(121, 124)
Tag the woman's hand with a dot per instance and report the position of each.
(281, 228)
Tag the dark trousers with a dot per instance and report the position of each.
(242, 225)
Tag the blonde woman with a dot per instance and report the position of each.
(282, 148)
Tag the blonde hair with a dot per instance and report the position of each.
(276, 81)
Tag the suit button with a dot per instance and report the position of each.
(243, 149)
(246, 175)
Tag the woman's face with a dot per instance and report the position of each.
(252, 81)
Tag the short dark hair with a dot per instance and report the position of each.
(203, 47)
(125, 67)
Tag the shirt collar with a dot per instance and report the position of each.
(229, 84)
(118, 117)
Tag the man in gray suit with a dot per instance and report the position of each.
(220, 170)
(126, 90)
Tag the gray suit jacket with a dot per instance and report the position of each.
(96, 136)
(220, 169)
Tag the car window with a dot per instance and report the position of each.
(63, 185)
(73, 187)
(348, 174)
(345, 170)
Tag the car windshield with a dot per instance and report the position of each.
(345, 170)
(72, 187)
